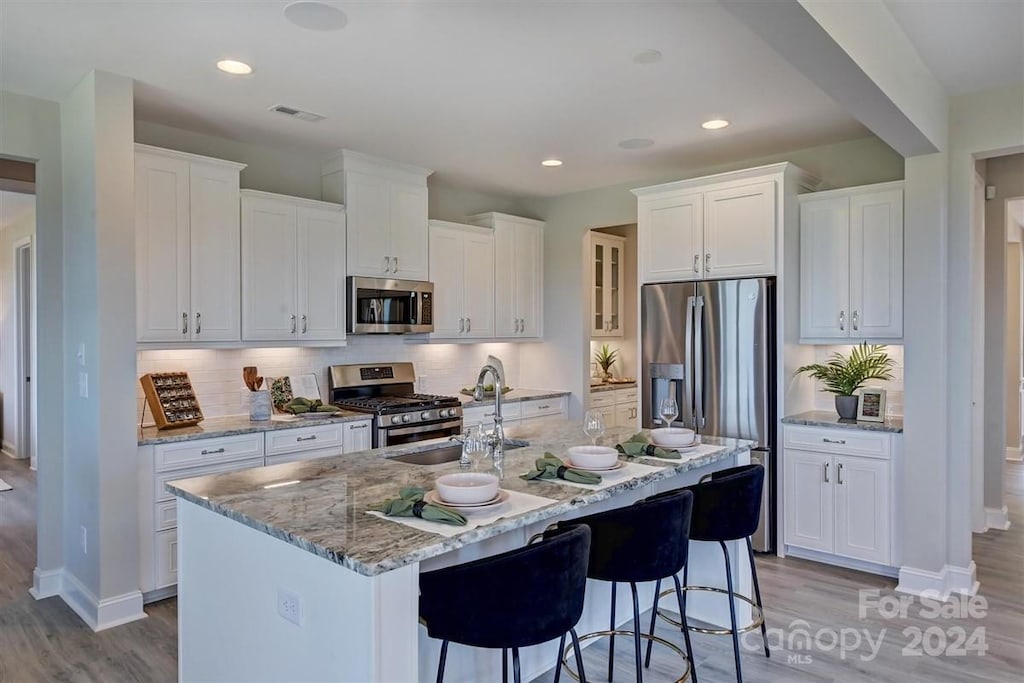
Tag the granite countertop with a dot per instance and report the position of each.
(233, 426)
(828, 418)
(604, 386)
(325, 513)
(513, 396)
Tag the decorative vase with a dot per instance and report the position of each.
(846, 406)
(259, 405)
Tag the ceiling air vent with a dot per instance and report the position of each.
(297, 113)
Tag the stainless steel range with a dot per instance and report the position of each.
(388, 392)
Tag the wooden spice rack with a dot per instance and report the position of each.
(171, 399)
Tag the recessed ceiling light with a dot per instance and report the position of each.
(551, 162)
(647, 57)
(315, 16)
(234, 67)
(636, 143)
(714, 124)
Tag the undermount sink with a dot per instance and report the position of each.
(441, 455)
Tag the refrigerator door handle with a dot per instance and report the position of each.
(698, 366)
(689, 378)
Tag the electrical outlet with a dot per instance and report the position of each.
(85, 541)
(289, 606)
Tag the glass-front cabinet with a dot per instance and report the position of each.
(606, 273)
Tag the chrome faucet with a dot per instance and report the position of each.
(493, 441)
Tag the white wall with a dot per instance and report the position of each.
(24, 227)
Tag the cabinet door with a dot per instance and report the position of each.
(739, 231)
(478, 284)
(506, 322)
(614, 293)
(409, 231)
(810, 515)
(368, 209)
(269, 270)
(321, 273)
(625, 415)
(876, 265)
(446, 272)
(606, 264)
(358, 436)
(825, 268)
(863, 518)
(214, 238)
(161, 248)
(529, 274)
(671, 232)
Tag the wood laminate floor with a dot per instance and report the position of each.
(45, 641)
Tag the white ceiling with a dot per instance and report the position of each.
(14, 206)
(480, 91)
(969, 45)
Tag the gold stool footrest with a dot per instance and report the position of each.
(756, 623)
(644, 636)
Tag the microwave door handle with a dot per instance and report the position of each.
(698, 369)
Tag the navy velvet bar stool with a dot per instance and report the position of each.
(646, 541)
(726, 507)
(520, 598)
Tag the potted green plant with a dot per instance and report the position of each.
(605, 358)
(844, 375)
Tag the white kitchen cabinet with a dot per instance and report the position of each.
(386, 205)
(515, 412)
(357, 436)
(739, 231)
(462, 270)
(518, 274)
(607, 270)
(186, 247)
(851, 264)
(839, 487)
(618, 406)
(672, 246)
(293, 269)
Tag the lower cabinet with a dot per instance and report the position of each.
(837, 502)
(618, 406)
(514, 413)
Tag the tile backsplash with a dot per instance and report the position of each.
(893, 388)
(216, 374)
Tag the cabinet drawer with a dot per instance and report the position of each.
(166, 516)
(305, 439)
(603, 399)
(160, 493)
(166, 558)
(301, 455)
(839, 441)
(187, 454)
(543, 407)
(483, 414)
(625, 396)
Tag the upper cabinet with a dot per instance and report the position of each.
(607, 270)
(186, 247)
(462, 270)
(717, 227)
(293, 269)
(851, 264)
(386, 207)
(518, 274)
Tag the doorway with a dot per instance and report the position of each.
(24, 299)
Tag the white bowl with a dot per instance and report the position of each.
(673, 437)
(594, 457)
(467, 487)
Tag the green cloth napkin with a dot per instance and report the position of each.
(551, 467)
(638, 447)
(410, 504)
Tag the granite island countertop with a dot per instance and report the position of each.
(514, 396)
(827, 418)
(325, 511)
(233, 426)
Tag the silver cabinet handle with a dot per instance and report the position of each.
(826, 473)
(842, 320)
(841, 442)
(854, 320)
(469, 324)
(543, 407)
(199, 323)
(303, 324)
(358, 426)
(387, 264)
(696, 263)
(519, 325)
(462, 325)
(839, 474)
(184, 323)
(293, 324)
(707, 262)
(213, 452)
(395, 267)
(311, 437)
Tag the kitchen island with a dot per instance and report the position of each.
(262, 549)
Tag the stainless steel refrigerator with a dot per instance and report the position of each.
(712, 346)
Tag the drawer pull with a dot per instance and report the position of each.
(841, 442)
(213, 452)
(312, 437)
(543, 407)
(358, 427)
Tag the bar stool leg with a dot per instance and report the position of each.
(654, 618)
(579, 655)
(515, 666)
(558, 662)
(440, 665)
(504, 665)
(636, 633)
(757, 594)
(611, 638)
(681, 597)
(732, 613)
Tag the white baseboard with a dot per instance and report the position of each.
(997, 518)
(838, 561)
(9, 450)
(938, 585)
(45, 583)
(98, 615)
(1014, 454)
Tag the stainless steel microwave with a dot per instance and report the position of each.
(385, 306)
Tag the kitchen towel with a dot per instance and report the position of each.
(517, 504)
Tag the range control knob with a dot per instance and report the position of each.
(450, 412)
(407, 418)
(395, 420)
(425, 415)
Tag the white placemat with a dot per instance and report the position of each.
(697, 452)
(516, 504)
(4, 486)
(632, 470)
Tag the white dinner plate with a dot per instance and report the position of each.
(617, 466)
(694, 444)
(434, 499)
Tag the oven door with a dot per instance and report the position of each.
(383, 306)
(396, 436)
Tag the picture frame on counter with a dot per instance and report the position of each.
(871, 407)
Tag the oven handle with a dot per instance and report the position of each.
(427, 427)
